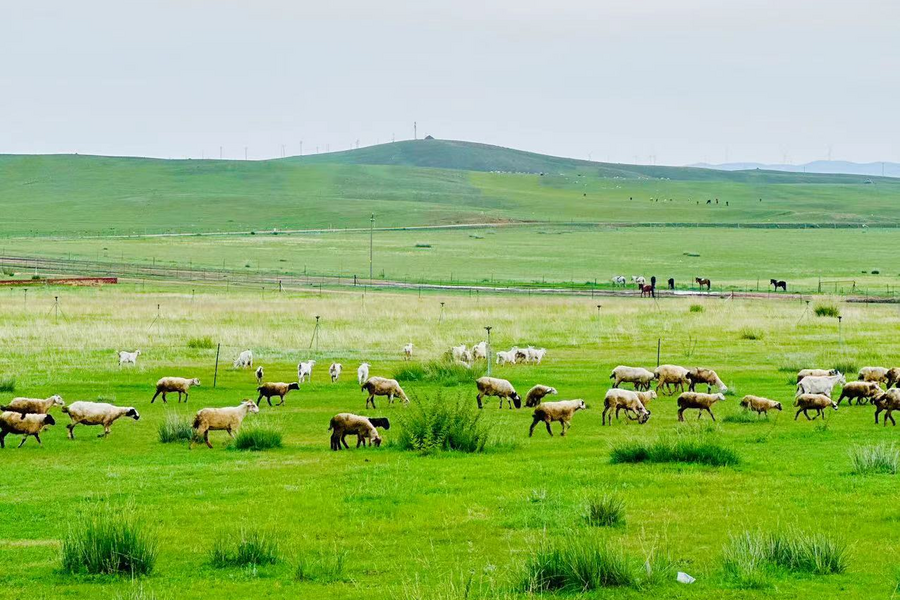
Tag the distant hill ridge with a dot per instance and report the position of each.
(872, 169)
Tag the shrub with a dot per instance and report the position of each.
(444, 372)
(175, 428)
(682, 448)
(750, 557)
(249, 548)
(748, 333)
(108, 543)
(874, 459)
(202, 343)
(827, 310)
(579, 565)
(606, 510)
(8, 384)
(697, 308)
(321, 567)
(257, 436)
(437, 423)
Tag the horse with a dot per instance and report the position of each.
(619, 280)
(778, 284)
(638, 280)
(648, 290)
(701, 281)
(671, 283)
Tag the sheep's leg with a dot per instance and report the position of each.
(230, 432)
(877, 411)
(344, 441)
(533, 425)
(605, 410)
(71, 428)
(24, 437)
(3, 438)
(37, 436)
(799, 410)
(478, 397)
(258, 400)
(154, 396)
(887, 416)
(282, 401)
(550, 431)
(681, 414)
(712, 416)
(563, 424)
(206, 438)
(371, 399)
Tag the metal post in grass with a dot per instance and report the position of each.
(216, 374)
(441, 317)
(840, 333)
(658, 347)
(25, 306)
(599, 330)
(315, 336)
(489, 353)
(371, 244)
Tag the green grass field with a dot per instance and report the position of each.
(406, 525)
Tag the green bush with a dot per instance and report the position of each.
(321, 567)
(681, 448)
(248, 548)
(875, 459)
(606, 510)
(444, 372)
(748, 333)
(750, 559)
(827, 310)
(256, 437)
(201, 343)
(696, 308)
(436, 423)
(108, 543)
(175, 428)
(579, 565)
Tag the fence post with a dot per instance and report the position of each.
(658, 346)
(216, 374)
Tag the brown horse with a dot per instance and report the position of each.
(701, 281)
(778, 284)
(646, 289)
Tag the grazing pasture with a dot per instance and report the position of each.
(298, 520)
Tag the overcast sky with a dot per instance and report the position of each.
(675, 81)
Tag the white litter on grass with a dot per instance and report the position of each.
(684, 578)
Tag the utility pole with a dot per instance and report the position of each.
(371, 238)
(415, 130)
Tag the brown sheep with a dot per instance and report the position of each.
(760, 405)
(381, 386)
(343, 424)
(536, 394)
(501, 388)
(707, 376)
(670, 378)
(33, 406)
(861, 391)
(893, 377)
(630, 402)
(888, 402)
(561, 411)
(280, 389)
(168, 385)
(701, 402)
(27, 425)
(816, 402)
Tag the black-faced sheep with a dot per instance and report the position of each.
(33, 406)
(221, 419)
(170, 385)
(561, 411)
(501, 388)
(816, 402)
(381, 386)
(536, 394)
(701, 402)
(760, 405)
(259, 375)
(275, 388)
(670, 378)
(861, 391)
(26, 425)
(707, 376)
(637, 376)
(96, 413)
(887, 402)
(343, 424)
(893, 377)
(631, 402)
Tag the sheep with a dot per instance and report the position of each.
(876, 374)
(893, 377)
(619, 280)
(637, 376)
(536, 394)
(407, 351)
(466, 358)
(707, 376)
(522, 354)
(638, 280)
(381, 422)
(479, 351)
(699, 401)
(888, 401)
(244, 360)
(33, 406)
(221, 419)
(97, 413)
(335, 371)
(304, 371)
(812, 384)
(561, 411)
(278, 388)
(27, 425)
(492, 386)
(362, 373)
(630, 402)
(536, 355)
(817, 402)
(760, 405)
(457, 352)
(381, 386)
(670, 377)
(259, 375)
(343, 424)
(507, 357)
(168, 385)
(815, 373)
(128, 358)
(862, 391)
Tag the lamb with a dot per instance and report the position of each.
(760, 405)
(168, 385)
(97, 413)
(458, 352)
(381, 386)
(507, 357)
(278, 388)
(221, 419)
(815, 373)
(536, 394)
(362, 373)
(888, 401)
(816, 402)
(637, 376)
(26, 425)
(707, 376)
(492, 386)
(343, 424)
(699, 401)
(876, 374)
(128, 358)
(407, 351)
(670, 377)
(335, 371)
(561, 411)
(630, 402)
(861, 391)
(259, 375)
(893, 377)
(304, 371)
(479, 351)
(536, 355)
(381, 422)
(522, 354)
(244, 360)
(33, 406)
(812, 384)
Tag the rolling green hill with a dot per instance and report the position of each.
(426, 182)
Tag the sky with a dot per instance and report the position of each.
(645, 81)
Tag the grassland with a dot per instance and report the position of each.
(404, 525)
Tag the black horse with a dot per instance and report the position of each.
(778, 284)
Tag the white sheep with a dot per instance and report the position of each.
(619, 280)
(707, 376)
(458, 352)
(169, 385)
(244, 360)
(501, 388)
(816, 402)
(221, 419)
(630, 402)
(33, 406)
(128, 358)
(637, 376)
(507, 357)
(671, 378)
(335, 371)
(304, 371)
(701, 402)
(561, 411)
(362, 373)
(479, 351)
(26, 425)
(408, 351)
(812, 384)
(638, 280)
(97, 413)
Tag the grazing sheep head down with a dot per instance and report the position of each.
(644, 417)
(133, 414)
(517, 400)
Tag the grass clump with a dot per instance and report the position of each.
(827, 310)
(444, 372)
(322, 567)
(109, 543)
(175, 428)
(201, 343)
(579, 565)
(698, 448)
(249, 548)
(257, 437)
(440, 424)
(845, 367)
(742, 416)
(696, 308)
(749, 333)
(7, 384)
(605, 510)
(875, 459)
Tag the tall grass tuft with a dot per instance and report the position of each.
(436, 423)
(827, 310)
(750, 333)
(875, 459)
(201, 343)
(249, 548)
(696, 308)
(444, 372)
(845, 367)
(683, 447)
(579, 565)
(109, 542)
(605, 510)
(8, 384)
(137, 592)
(257, 437)
(175, 428)
(322, 567)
